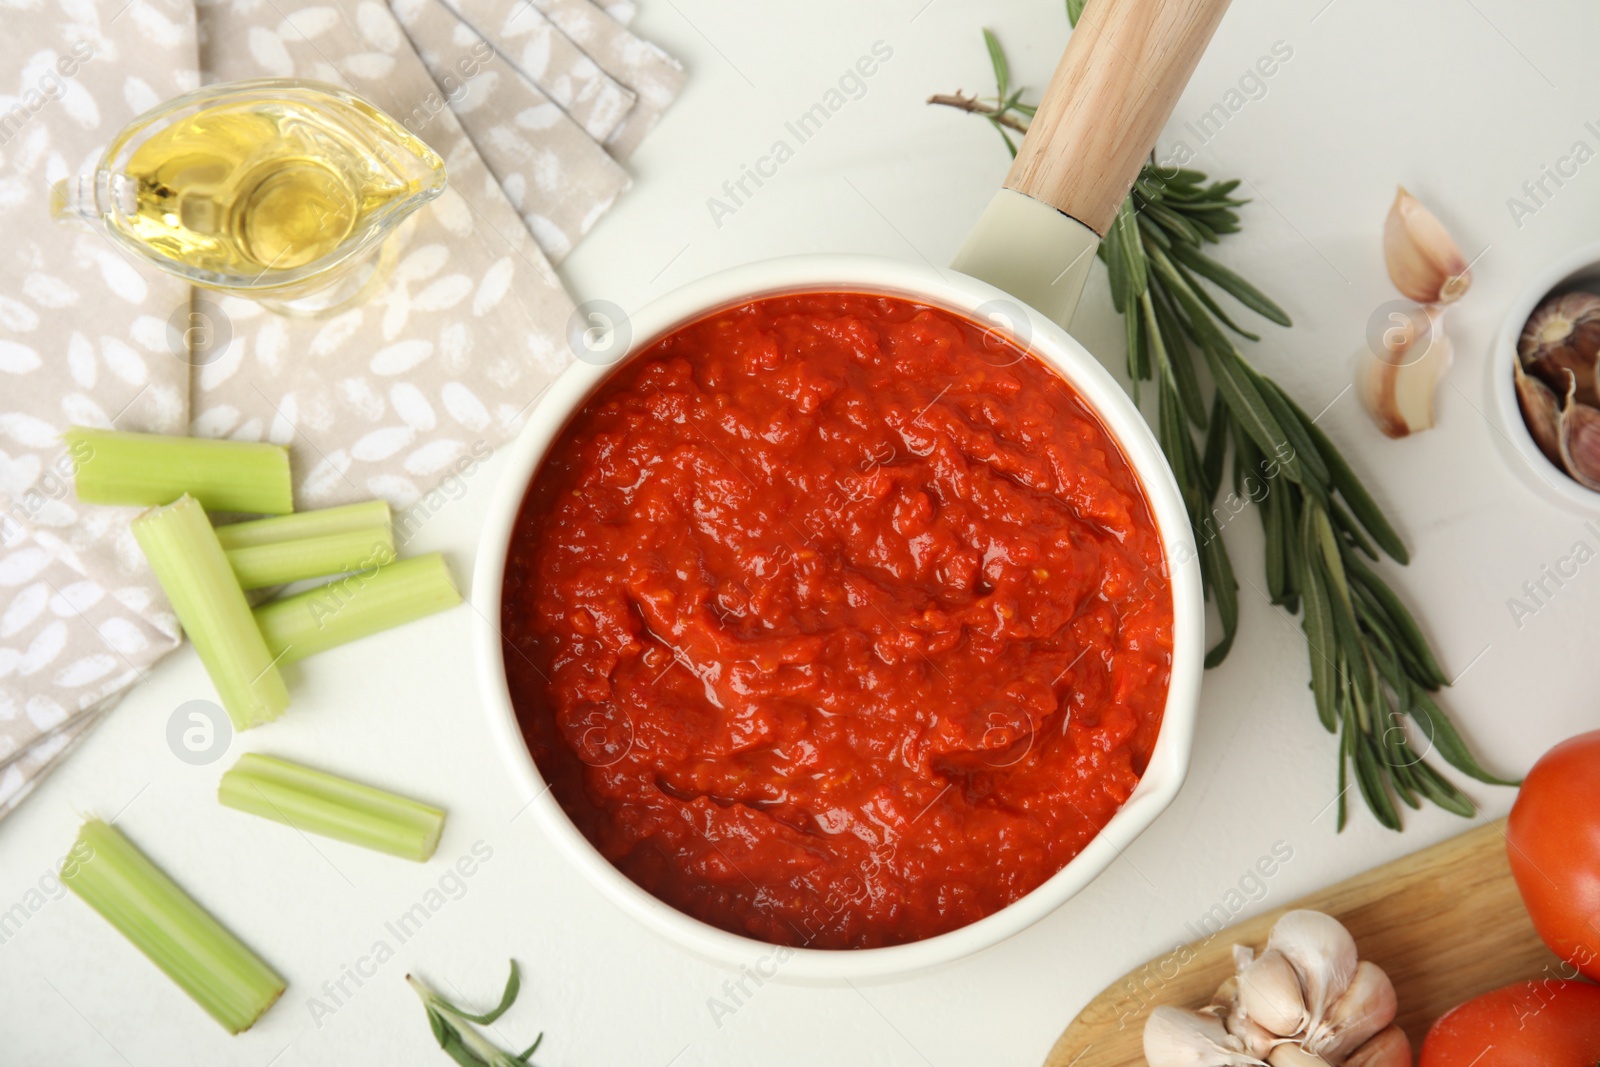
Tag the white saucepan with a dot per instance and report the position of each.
(1021, 271)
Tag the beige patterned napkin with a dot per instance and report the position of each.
(557, 176)
(384, 400)
(82, 339)
(575, 52)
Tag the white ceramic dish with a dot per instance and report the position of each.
(1578, 270)
(979, 301)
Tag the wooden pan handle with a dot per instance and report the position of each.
(1125, 65)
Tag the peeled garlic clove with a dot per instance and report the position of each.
(1364, 1009)
(1541, 412)
(1397, 386)
(1563, 334)
(1175, 1037)
(1580, 439)
(1390, 1048)
(1270, 994)
(1289, 1054)
(1322, 953)
(1422, 257)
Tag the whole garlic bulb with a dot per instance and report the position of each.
(1305, 1001)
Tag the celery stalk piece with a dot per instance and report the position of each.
(194, 573)
(370, 515)
(259, 566)
(215, 968)
(356, 606)
(151, 469)
(316, 802)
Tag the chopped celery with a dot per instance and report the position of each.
(114, 467)
(211, 965)
(367, 515)
(194, 573)
(258, 566)
(320, 803)
(355, 606)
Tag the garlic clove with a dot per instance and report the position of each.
(1364, 1009)
(1390, 1048)
(1289, 1054)
(1541, 412)
(1176, 1037)
(1270, 994)
(1397, 386)
(1423, 260)
(1563, 334)
(1322, 953)
(1256, 1039)
(1580, 439)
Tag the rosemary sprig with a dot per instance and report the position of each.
(1371, 667)
(453, 1030)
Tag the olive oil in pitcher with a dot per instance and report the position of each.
(273, 189)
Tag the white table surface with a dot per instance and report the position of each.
(1461, 100)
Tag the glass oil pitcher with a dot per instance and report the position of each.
(276, 189)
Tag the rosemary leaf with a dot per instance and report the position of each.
(1351, 530)
(1323, 649)
(507, 998)
(1183, 372)
(1403, 625)
(1216, 447)
(1306, 453)
(1232, 284)
(1225, 588)
(1210, 304)
(1373, 783)
(1349, 486)
(1439, 790)
(997, 57)
(1443, 736)
(1127, 227)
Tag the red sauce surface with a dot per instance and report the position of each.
(835, 622)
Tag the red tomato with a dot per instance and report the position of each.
(1546, 1023)
(1553, 841)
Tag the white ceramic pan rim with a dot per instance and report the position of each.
(842, 273)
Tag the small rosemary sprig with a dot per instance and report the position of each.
(1371, 667)
(453, 1030)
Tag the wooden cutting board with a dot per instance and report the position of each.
(1445, 923)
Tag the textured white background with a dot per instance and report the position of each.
(1444, 95)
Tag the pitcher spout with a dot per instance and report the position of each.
(88, 198)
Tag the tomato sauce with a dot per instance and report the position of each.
(835, 621)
